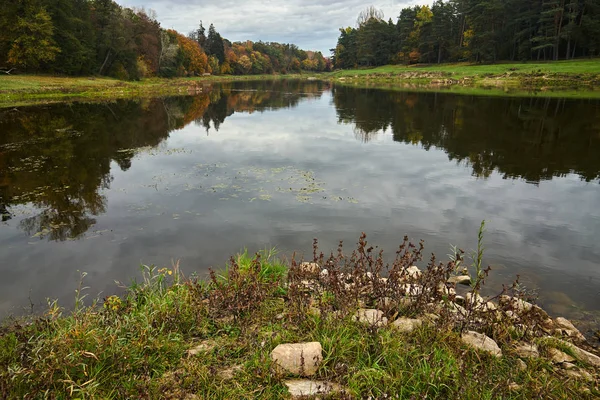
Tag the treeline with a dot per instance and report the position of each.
(473, 30)
(100, 37)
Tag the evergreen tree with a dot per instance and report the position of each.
(214, 44)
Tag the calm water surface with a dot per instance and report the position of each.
(103, 188)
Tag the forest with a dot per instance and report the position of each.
(100, 37)
(473, 30)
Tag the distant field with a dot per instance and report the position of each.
(466, 69)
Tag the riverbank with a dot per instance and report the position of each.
(579, 78)
(268, 329)
(575, 79)
(21, 90)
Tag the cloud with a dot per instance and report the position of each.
(310, 24)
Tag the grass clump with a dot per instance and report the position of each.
(181, 338)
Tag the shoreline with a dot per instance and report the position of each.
(341, 326)
(572, 79)
(26, 90)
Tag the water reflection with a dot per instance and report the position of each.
(522, 138)
(287, 161)
(58, 158)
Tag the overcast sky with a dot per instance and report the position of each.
(310, 24)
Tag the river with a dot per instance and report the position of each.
(103, 188)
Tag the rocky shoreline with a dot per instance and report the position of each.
(529, 324)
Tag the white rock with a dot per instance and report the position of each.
(581, 374)
(460, 279)
(404, 324)
(445, 290)
(411, 289)
(371, 316)
(513, 386)
(305, 387)
(583, 355)
(567, 365)
(413, 272)
(517, 304)
(298, 358)
(521, 365)
(527, 350)
(558, 357)
(566, 327)
(481, 342)
(310, 267)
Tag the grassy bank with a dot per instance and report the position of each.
(181, 338)
(577, 78)
(19, 90)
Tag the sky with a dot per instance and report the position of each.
(310, 24)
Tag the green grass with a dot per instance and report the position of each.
(135, 346)
(461, 70)
(19, 90)
(574, 78)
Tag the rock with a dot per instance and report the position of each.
(371, 316)
(481, 342)
(583, 355)
(205, 345)
(298, 358)
(413, 272)
(567, 365)
(513, 386)
(527, 350)
(581, 374)
(548, 324)
(445, 290)
(228, 373)
(460, 279)
(565, 327)
(404, 324)
(458, 299)
(310, 268)
(522, 306)
(411, 289)
(558, 357)
(521, 366)
(516, 304)
(305, 387)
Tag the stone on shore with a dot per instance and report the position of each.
(413, 272)
(305, 387)
(460, 279)
(371, 316)
(310, 268)
(404, 324)
(527, 350)
(298, 358)
(566, 327)
(583, 355)
(559, 357)
(481, 342)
